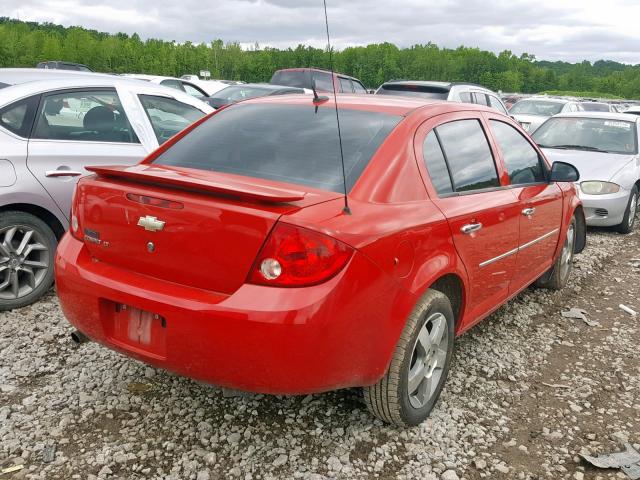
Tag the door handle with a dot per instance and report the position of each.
(528, 212)
(470, 228)
(62, 173)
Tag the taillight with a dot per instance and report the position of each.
(74, 227)
(297, 257)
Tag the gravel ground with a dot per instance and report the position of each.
(529, 390)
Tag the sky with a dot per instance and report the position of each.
(569, 30)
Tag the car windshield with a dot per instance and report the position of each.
(542, 108)
(287, 143)
(595, 107)
(292, 78)
(413, 90)
(592, 134)
(237, 93)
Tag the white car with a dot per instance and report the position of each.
(49, 131)
(604, 149)
(450, 91)
(200, 89)
(533, 111)
(633, 110)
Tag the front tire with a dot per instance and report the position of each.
(410, 388)
(558, 276)
(629, 219)
(27, 248)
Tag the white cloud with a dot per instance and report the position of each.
(570, 30)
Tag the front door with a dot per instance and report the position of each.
(483, 215)
(540, 204)
(78, 128)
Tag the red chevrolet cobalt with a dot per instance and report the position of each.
(228, 254)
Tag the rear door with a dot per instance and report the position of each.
(483, 214)
(540, 203)
(77, 128)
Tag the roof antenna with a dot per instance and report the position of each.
(346, 208)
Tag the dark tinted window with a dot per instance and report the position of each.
(323, 81)
(287, 143)
(2, 85)
(468, 155)
(480, 99)
(292, 78)
(436, 165)
(18, 117)
(521, 159)
(414, 90)
(345, 85)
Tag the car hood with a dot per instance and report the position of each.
(534, 120)
(591, 165)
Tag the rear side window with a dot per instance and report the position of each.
(286, 143)
(522, 160)
(465, 97)
(18, 117)
(324, 81)
(168, 116)
(345, 85)
(85, 116)
(436, 165)
(468, 155)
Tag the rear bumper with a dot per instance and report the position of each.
(261, 339)
(605, 210)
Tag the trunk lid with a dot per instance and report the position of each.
(197, 228)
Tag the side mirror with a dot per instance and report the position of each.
(564, 172)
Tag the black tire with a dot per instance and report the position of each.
(389, 399)
(557, 277)
(629, 219)
(42, 275)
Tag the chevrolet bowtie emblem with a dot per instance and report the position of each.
(151, 224)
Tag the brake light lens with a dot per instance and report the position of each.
(74, 228)
(298, 257)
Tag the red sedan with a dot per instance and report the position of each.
(228, 254)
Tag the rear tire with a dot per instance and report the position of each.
(629, 219)
(557, 277)
(27, 249)
(410, 388)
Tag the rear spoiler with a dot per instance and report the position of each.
(201, 180)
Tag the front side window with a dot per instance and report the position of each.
(345, 85)
(168, 116)
(468, 155)
(358, 87)
(436, 164)
(87, 116)
(18, 117)
(522, 161)
(589, 134)
(286, 143)
(496, 104)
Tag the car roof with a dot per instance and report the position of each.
(602, 115)
(22, 90)
(14, 76)
(391, 104)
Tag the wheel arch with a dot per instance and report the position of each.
(452, 286)
(581, 230)
(42, 213)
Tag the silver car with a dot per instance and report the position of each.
(604, 149)
(532, 112)
(49, 131)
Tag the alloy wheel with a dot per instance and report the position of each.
(428, 360)
(24, 261)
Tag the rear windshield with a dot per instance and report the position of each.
(595, 107)
(541, 108)
(292, 78)
(420, 91)
(286, 143)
